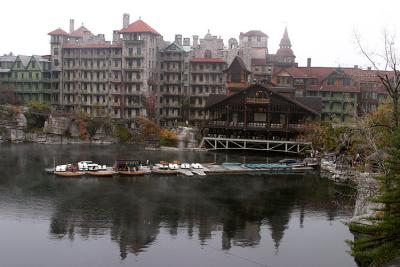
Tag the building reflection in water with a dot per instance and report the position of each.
(133, 212)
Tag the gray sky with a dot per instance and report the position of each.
(322, 30)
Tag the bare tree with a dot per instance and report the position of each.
(386, 66)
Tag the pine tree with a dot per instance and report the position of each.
(380, 242)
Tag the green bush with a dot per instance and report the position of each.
(123, 134)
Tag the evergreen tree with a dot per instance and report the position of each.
(380, 242)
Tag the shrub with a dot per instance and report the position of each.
(123, 134)
(168, 138)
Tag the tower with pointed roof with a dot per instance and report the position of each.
(140, 45)
(57, 38)
(285, 56)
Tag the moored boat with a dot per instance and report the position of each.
(68, 173)
(130, 167)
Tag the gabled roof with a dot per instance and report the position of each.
(39, 60)
(139, 26)
(78, 33)
(314, 102)
(24, 60)
(218, 98)
(58, 31)
(214, 99)
(253, 33)
(292, 71)
(238, 60)
(179, 48)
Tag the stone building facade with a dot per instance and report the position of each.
(139, 74)
(103, 78)
(174, 91)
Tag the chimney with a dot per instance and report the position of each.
(309, 62)
(356, 66)
(195, 41)
(369, 68)
(178, 39)
(115, 37)
(125, 20)
(186, 41)
(71, 25)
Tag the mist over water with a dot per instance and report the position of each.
(241, 220)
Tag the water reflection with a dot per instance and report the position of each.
(134, 212)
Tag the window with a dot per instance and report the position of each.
(207, 54)
(55, 62)
(138, 51)
(55, 51)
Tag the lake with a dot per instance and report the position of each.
(240, 220)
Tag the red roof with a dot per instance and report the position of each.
(253, 33)
(59, 31)
(79, 32)
(285, 52)
(204, 59)
(293, 71)
(139, 26)
(317, 72)
(72, 45)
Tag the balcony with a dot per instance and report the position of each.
(171, 92)
(171, 105)
(258, 125)
(254, 100)
(172, 70)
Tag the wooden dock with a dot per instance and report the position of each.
(230, 169)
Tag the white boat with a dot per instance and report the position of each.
(173, 166)
(90, 166)
(185, 166)
(197, 166)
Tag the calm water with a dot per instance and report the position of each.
(164, 221)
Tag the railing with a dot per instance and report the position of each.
(253, 100)
(258, 125)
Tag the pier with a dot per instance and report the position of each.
(218, 143)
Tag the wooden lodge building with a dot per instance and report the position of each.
(256, 111)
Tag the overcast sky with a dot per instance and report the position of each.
(322, 30)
